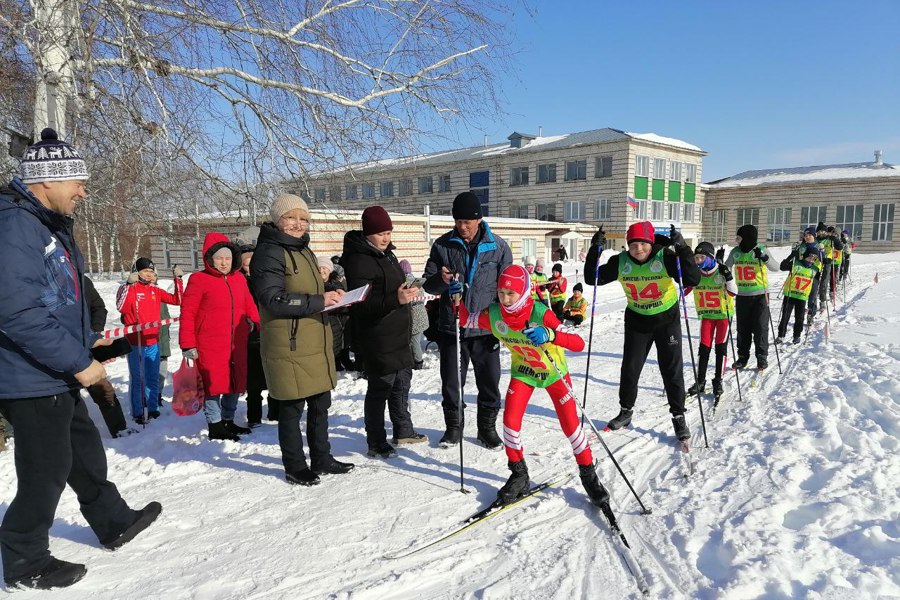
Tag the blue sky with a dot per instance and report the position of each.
(757, 84)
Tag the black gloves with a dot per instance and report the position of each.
(759, 255)
(720, 254)
(599, 238)
(726, 272)
(676, 237)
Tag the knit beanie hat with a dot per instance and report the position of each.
(529, 260)
(578, 288)
(285, 203)
(326, 264)
(539, 263)
(821, 227)
(51, 159)
(810, 231)
(142, 263)
(467, 206)
(557, 268)
(376, 220)
(641, 231)
(222, 252)
(706, 249)
(405, 267)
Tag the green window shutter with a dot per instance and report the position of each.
(659, 189)
(640, 188)
(690, 192)
(674, 191)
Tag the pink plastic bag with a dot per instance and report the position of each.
(188, 385)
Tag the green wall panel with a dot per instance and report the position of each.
(640, 188)
(690, 192)
(659, 189)
(674, 191)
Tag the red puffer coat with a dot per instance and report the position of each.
(214, 319)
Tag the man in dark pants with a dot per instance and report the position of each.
(477, 256)
(648, 273)
(102, 392)
(45, 336)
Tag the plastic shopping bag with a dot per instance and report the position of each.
(188, 385)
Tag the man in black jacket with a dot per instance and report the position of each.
(649, 275)
(476, 256)
(382, 327)
(103, 392)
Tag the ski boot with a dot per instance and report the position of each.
(717, 388)
(740, 363)
(796, 339)
(623, 419)
(697, 388)
(762, 363)
(517, 484)
(779, 340)
(595, 490)
(682, 431)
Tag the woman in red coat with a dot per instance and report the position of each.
(217, 316)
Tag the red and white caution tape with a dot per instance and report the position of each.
(120, 331)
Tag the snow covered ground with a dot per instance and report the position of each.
(796, 497)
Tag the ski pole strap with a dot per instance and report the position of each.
(121, 331)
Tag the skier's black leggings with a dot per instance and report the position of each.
(668, 350)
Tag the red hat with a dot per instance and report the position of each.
(517, 279)
(641, 231)
(376, 220)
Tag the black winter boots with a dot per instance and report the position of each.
(219, 431)
(453, 434)
(145, 517)
(234, 428)
(55, 574)
(682, 431)
(623, 419)
(595, 490)
(302, 477)
(487, 428)
(517, 484)
(697, 388)
(331, 466)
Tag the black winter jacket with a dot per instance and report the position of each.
(479, 263)
(267, 269)
(609, 273)
(381, 326)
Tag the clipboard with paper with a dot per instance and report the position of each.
(351, 297)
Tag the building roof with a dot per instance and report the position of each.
(537, 143)
(803, 174)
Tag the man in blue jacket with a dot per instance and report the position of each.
(45, 358)
(474, 256)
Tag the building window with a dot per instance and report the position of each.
(883, 228)
(334, 193)
(518, 176)
(674, 211)
(747, 216)
(779, 221)
(640, 212)
(351, 192)
(426, 185)
(576, 170)
(810, 216)
(484, 196)
(545, 212)
(167, 253)
(479, 179)
(849, 218)
(688, 213)
(574, 210)
(319, 194)
(719, 221)
(691, 173)
(387, 189)
(659, 168)
(444, 183)
(195, 255)
(368, 191)
(642, 166)
(404, 187)
(676, 171)
(546, 173)
(518, 211)
(529, 247)
(658, 211)
(603, 166)
(603, 209)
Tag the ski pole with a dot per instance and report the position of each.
(687, 326)
(737, 377)
(587, 367)
(644, 509)
(459, 406)
(143, 389)
(771, 322)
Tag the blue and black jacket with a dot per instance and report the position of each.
(479, 264)
(45, 327)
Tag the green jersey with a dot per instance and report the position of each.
(710, 298)
(528, 361)
(799, 282)
(750, 273)
(648, 287)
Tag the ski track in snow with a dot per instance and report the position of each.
(796, 497)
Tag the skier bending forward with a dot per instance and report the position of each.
(524, 327)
